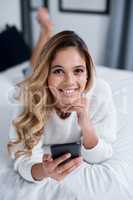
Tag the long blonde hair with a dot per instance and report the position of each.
(35, 95)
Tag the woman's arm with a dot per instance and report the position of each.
(90, 139)
(100, 132)
(99, 129)
(23, 164)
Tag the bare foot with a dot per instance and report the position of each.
(43, 19)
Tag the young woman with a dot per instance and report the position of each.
(63, 102)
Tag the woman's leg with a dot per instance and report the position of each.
(45, 33)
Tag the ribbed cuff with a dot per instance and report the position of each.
(24, 169)
(102, 151)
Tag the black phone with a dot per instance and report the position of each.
(58, 150)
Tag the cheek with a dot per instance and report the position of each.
(53, 83)
(83, 81)
(83, 77)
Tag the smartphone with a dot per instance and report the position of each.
(58, 150)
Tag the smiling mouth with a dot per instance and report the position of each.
(68, 92)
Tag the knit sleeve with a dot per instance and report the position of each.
(23, 165)
(104, 122)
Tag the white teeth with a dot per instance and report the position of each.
(68, 92)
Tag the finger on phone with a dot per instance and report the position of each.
(69, 170)
(61, 159)
(73, 162)
(72, 167)
(47, 157)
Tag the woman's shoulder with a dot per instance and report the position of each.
(101, 88)
(100, 94)
(102, 85)
(99, 97)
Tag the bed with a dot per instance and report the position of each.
(112, 179)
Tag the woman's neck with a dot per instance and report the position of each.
(62, 114)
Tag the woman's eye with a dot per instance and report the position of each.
(78, 71)
(58, 71)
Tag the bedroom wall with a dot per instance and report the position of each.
(92, 28)
(10, 13)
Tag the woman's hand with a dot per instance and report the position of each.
(81, 106)
(56, 170)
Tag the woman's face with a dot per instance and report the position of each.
(68, 76)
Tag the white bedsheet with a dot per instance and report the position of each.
(112, 179)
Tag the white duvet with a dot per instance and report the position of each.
(110, 180)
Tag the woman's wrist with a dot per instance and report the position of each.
(90, 140)
(87, 125)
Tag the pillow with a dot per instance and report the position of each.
(15, 74)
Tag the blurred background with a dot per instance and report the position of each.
(105, 25)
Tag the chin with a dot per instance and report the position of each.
(68, 101)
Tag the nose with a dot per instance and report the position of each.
(69, 79)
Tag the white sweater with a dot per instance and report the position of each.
(103, 117)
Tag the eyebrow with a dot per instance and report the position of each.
(59, 66)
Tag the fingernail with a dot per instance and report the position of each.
(68, 155)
